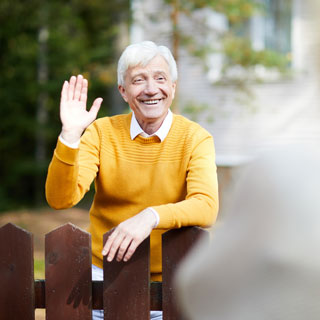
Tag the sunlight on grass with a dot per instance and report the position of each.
(40, 314)
(39, 269)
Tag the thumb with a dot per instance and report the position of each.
(95, 107)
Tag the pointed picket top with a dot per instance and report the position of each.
(16, 273)
(68, 273)
(68, 227)
(11, 227)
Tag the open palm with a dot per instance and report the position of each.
(73, 110)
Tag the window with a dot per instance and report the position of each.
(270, 28)
(277, 33)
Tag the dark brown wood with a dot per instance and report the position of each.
(126, 291)
(40, 294)
(68, 274)
(175, 245)
(16, 274)
(97, 295)
(156, 296)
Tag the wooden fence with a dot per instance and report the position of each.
(68, 293)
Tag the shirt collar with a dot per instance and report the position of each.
(161, 133)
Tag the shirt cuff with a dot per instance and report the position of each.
(156, 215)
(74, 145)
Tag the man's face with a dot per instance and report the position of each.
(149, 90)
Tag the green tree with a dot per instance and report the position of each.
(42, 43)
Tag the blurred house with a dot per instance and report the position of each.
(283, 110)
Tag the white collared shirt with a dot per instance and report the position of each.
(161, 133)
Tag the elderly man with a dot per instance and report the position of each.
(153, 170)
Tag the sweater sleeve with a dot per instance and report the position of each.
(72, 171)
(201, 204)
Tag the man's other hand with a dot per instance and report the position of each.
(127, 236)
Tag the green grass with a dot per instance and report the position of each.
(39, 269)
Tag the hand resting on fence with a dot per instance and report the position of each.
(127, 236)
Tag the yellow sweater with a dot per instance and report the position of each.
(177, 177)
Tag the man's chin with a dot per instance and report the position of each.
(153, 115)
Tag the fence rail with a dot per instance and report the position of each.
(68, 293)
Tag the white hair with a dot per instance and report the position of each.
(141, 54)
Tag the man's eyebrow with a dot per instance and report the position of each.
(142, 73)
(161, 72)
(138, 74)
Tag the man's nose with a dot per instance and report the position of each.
(151, 87)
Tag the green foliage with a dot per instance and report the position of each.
(193, 109)
(235, 10)
(77, 37)
(239, 51)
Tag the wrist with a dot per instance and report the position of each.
(155, 215)
(74, 145)
(70, 136)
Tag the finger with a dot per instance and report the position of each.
(115, 246)
(72, 83)
(123, 248)
(95, 108)
(133, 246)
(109, 242)
(78, 87)
(84, 91)
(64, 91)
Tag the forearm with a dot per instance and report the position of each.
(62, 189)
(198, 211)
(72, 171)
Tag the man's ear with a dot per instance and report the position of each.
(122, 91)
(174, 85)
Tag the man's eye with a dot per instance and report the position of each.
(137, 80)
(160, 78)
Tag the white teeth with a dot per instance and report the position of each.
(151, 102)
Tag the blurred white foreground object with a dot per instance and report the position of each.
(264, 259)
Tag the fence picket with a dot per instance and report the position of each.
(68, 274)
(16, 274)
(175, 245)
(126, 291)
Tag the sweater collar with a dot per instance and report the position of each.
(161, 133)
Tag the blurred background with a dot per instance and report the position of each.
(247, 73)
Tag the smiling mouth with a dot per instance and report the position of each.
(151, 102)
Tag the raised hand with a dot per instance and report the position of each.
(73, 110)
